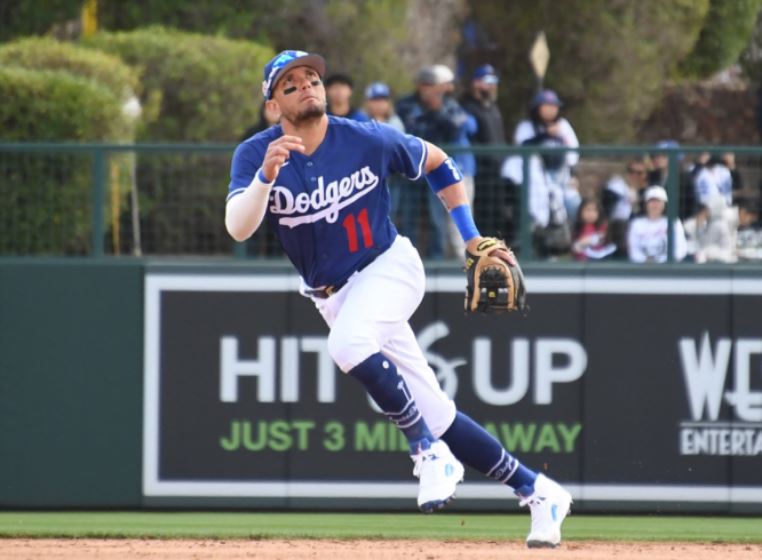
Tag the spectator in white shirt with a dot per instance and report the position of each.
(647, 236)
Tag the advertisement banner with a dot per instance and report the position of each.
(633, 389)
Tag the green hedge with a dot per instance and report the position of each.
(46, 197)
(54, 105)
(49, 54)
(209, 86)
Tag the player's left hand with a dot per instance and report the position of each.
(494, 279)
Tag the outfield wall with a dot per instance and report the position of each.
(130, 384)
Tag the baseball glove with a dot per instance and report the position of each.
(494, 284)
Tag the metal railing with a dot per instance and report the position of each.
(168, 199)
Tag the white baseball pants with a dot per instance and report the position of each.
(370, 314)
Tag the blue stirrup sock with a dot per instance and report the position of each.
(476, 447)
(387, 387)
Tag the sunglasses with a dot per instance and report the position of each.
(636, 171)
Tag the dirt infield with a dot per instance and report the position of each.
(130, 549)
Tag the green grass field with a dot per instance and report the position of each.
(361, 525)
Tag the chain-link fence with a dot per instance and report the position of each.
(594, 204)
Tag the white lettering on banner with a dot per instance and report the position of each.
(748, 404)
(326, 201)
(545, 374)
(231, 368)
(483, 372)
(705, 373)
(545, 349)
(264, 368)
(288, 369)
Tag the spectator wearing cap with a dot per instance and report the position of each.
(430, 113)
(647, 236)
(547, 128)
(491, 206)
(659, 174)
(464, 159)
(553, 194)
(338, 93)
(379, 107)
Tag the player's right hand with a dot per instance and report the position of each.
(278, 152)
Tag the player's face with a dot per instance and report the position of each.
(300, 95)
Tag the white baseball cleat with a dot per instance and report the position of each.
(439, 473)
(549, 504)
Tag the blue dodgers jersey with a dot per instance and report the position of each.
(330, 210)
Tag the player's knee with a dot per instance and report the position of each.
(350, 347)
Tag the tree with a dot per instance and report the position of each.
(727, 29)
(609, 59)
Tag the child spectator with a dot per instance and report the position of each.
(647, 236)
(591, 240)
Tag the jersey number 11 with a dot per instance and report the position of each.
(350, 225)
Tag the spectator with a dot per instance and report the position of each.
(268, 116)
(378, 105)
(546, 128)
(434, 116)
(591, 239)
(659, 171)
(749, 237)
(338, 93)
(716, 178)
(464, 159)
(647, 237)
(553, 194)
(492, 207)
(622, 199)
(711, 232)
(659, 175)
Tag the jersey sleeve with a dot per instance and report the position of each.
(406, 154)
(245, 164)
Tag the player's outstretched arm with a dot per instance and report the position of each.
(445, 179)
(244, 212)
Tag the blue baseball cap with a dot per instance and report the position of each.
(377, 90)
(285, 60)
(486, 73)
(546, 97)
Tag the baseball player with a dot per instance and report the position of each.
(320, 181)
